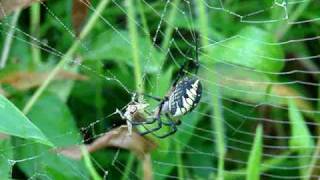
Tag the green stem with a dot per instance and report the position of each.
(34, 29)
(89, 165)
(170, 26)
(133, 33)
(128, 167)
(134, 46)
(146, 30)
(8, 40)
(67, 56)
(203, 23)
(219, 129)
(179, 161)
(218, 120)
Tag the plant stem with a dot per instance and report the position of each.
(134, 46)
(67, 56)
(146, 30)
(219, 129)
(8, 40)
(169, 28)
(218, 120)
(89, 165)
(128, 167)
(203, 27)
(34, 29)
(179, 161)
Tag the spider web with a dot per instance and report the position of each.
(253, 78)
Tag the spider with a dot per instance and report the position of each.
(182, 98)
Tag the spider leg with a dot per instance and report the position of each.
(120, 113)
(173, 127)
(157, 118)
(159, 126)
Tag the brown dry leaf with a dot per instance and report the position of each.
(118, 137)
(26, 80)
(79, 14)
(147, 167)
(8, 6)
(286, 91)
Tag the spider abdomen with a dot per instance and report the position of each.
(185, 97)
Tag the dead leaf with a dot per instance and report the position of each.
(79, 14)
(9, 6)
(147, 167)
(118, 137)
(287, 92)
(26, 80)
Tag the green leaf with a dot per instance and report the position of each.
(301, 140)
(14, 122)
(53, 117)
(89, 165)
(253, 169)
(251, 86)
(112, 45)
(252, 48)
(5, 157)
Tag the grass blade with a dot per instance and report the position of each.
(89, 165)
(253, 169)
(301, 140)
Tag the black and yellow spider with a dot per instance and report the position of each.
(182, 98)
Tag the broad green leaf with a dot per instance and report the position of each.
(254, 162)
(252, 48)
(6, 155)
(112, 45)
(250, 86)
(53, 117)
(14, 122)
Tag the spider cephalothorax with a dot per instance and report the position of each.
(182, 98)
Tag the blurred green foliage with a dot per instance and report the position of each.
(244, 53)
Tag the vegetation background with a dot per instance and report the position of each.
(67, 65)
